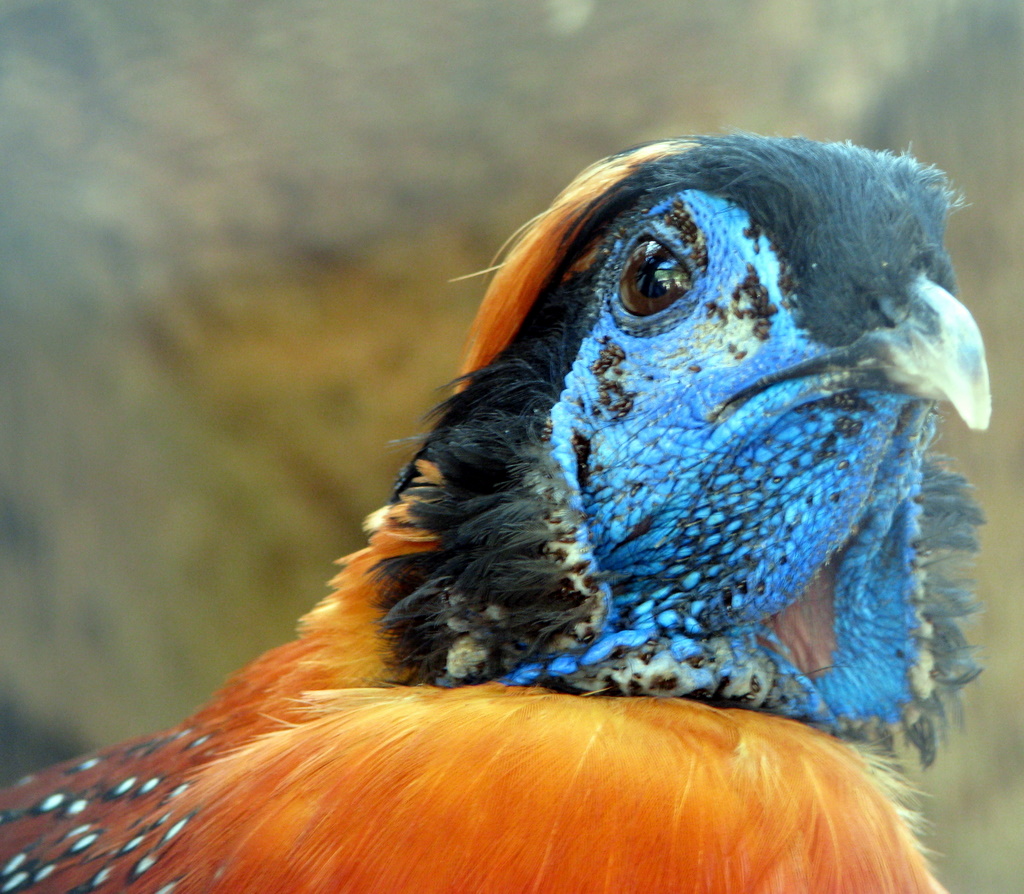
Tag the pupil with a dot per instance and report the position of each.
(654, 277)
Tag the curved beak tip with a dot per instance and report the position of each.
(975, 407)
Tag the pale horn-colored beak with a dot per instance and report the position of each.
(937, 352)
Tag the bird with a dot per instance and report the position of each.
(671, 578)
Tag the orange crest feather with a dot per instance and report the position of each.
(533, 259)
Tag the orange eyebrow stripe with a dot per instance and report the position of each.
(533, 259)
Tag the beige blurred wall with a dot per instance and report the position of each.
(227, 232)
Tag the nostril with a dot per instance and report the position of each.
(885, 311)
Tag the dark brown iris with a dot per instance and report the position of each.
(653, 279)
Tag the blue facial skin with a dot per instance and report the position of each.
(706, 523)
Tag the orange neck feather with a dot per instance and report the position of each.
(340, 643)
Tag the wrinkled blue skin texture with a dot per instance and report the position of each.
(707, 524)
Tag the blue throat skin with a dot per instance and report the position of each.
(703, 531)
(702, 468)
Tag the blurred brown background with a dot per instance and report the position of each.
(227, 232)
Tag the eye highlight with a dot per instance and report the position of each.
(653, 278)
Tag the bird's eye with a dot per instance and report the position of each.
(653, 279)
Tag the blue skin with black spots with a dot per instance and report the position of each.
(707, 521)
